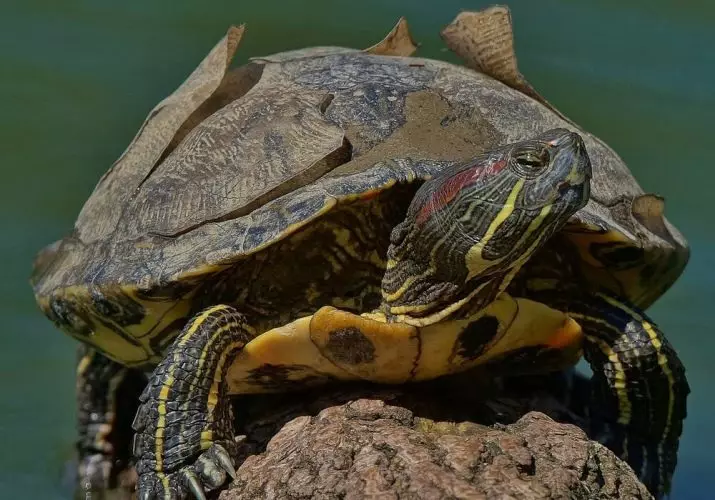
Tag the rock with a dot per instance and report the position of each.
(400, 444)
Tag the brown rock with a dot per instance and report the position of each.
(395, 445)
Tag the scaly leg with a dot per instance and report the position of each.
(185, 436)
(107, 395)
(639, 388)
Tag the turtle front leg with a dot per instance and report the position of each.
(639, 388)
(106, 401)
(185, 437)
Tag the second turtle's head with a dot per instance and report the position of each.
(473, 225)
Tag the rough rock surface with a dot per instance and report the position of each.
(382, 446)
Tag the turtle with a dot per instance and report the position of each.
(330, 214)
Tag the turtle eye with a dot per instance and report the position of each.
(533, 160)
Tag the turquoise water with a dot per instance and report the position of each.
(79, 77)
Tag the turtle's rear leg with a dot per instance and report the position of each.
(185, 436)
(107, 395)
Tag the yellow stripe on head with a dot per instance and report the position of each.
(475, 261)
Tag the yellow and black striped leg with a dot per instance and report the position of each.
(184, 443)
(639, 388)
(107, 395)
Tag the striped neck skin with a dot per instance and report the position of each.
(470, 228)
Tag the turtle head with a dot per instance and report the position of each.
(471, 227)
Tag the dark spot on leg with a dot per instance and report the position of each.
(476, 337)
(349, 345)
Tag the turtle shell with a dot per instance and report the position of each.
(235, 161)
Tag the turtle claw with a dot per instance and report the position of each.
(224, 460)
(208, 472)
(146, 495)
(194, 484)
(210, 469)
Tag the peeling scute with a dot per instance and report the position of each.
(101, 213)
(398, 42)
(242, 156)
(235, 85)
(485, 41)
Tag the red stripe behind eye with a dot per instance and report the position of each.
(448, 190)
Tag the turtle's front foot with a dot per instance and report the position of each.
(184, 427)
(106, 396)
(639, 389)
(207, 472)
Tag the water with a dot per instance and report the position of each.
(79, 77)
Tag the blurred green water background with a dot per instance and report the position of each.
(78, 77)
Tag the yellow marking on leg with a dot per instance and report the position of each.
(166, 387)
(209, 345)
(213, 392)
(165, 483)
(624, 404)
(662, 362)
(601, 322)
(625, 407)
(200, 321)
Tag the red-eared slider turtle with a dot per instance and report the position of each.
(331, 214)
